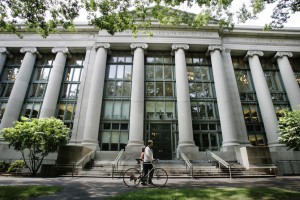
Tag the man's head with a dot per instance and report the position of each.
(150, 143)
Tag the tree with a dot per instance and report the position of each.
(36, 138)
(289, 129)
(47, 16)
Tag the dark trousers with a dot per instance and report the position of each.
(147, 167)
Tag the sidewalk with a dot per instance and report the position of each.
(102, 188)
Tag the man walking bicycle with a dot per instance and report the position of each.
(147, 165)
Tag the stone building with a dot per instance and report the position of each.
(183, 88)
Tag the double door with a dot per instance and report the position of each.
(161, 136)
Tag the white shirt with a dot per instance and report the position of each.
(148, 156)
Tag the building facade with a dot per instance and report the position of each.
(183, 88)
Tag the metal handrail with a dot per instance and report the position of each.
(188, 164)
(220, 161)
(81, 161)
(115, 164)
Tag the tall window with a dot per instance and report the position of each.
(295, 63)
(160, 87)
(251, 111)
(276, 88)
(37, 87)
(206, 126)
(8, 77)
(113, 133)
(69, 90)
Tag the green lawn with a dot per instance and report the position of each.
(251, 193)
(25, 192)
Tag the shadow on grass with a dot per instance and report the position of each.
(228, 193)
(25, 192)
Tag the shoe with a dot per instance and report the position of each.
(143, 183)
(150, 182)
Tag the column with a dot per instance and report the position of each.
(90, 135)
(183, 97)
(288, 78)
(3, 54)
(223, 98)
(264, 98)
(54, 83)
(136, 129)
(18, 93)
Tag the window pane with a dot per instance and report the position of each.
(108, 105)
(127, 89)
(112, 71)
(117, 110)
(160, 106)
(159, 72)
(150, 89)
(110, 88)
(119, 88)
(127, 74)
(36, 110)
(120, 71)
(105, 137)
(123, 138)
(169, 89)
(76, 76)
(168, 72)
(125, 109)
(159, 89)
(115, 137)
(150, 106)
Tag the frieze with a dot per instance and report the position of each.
(168, 33)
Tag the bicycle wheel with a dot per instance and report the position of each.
(131, 177)
(160, 177)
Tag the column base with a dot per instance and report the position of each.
(190, 150)
(133, 149)
(91, 144)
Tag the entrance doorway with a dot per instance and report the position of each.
(161, 136)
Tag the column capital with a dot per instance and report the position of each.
(180, 46)
(281, 54)
(5, 51)
(32, 50)
(251, 53)
(101, 45)
(64, 50)
(138, 45)
(214, 47)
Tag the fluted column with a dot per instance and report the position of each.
(3, 55)
(289, 80)
(18, 93)
(183, 97)
(137, 98)
(264, 98)
(223, 98)
(54, 83)
(90, 135)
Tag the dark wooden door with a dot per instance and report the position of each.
(161, 136)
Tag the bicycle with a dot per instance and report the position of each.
(132, 176)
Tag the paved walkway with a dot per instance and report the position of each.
(101, 188)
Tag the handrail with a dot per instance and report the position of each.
(81, 161)
(115, 164)
(220, 161)
(188, 164)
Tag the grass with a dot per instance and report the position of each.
(26, 192)
(226, 193)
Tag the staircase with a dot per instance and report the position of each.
(174, 168)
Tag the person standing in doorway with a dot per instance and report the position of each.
(148, 158)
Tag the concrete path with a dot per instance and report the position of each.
(101, 188)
